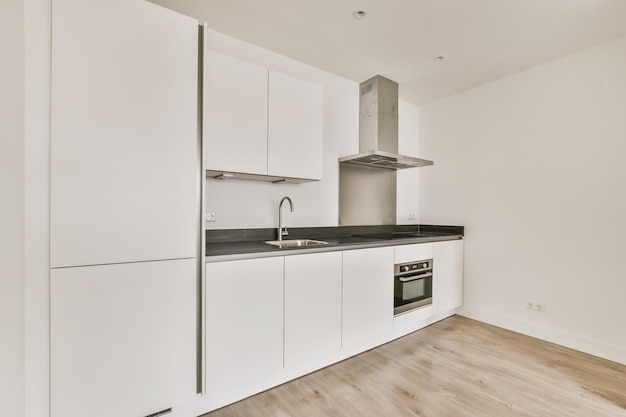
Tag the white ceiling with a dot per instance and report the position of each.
(481, 40)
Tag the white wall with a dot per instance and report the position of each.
(12, 208)
(407, 180)
(37, 205)
(533, 166)
(253, 204)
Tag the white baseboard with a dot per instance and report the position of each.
(583, 344)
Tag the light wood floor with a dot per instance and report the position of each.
(455, 368)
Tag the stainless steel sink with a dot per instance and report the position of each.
(295, 243)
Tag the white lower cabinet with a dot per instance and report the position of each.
(244, 321)
(367, 310)
(413, 253)
(270, 320)
(447, 275)
(312, 306)
(412, 318)
(123, 338)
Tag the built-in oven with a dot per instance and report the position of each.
(413, 285)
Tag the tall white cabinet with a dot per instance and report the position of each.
(124, 208)
(122, 338)
(124, 133)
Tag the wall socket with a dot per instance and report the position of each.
(410, 216)
(536, 307)
(210, 217)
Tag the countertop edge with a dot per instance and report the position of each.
(329, 248)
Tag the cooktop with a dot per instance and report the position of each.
(396, 235)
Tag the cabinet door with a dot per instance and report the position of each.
(123, 338)
(244, 321)
(447, 276)
(295, 133)
(367, 294)
(235, 115)
(312, 306)
(124, 156)
(412, 253)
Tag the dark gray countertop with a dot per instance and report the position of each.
(233, 244)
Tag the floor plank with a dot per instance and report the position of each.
(454, 368)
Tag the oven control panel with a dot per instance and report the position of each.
(413, 266)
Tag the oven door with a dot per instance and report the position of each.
(412, 291)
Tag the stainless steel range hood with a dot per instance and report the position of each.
(380, 159)
(378, 128)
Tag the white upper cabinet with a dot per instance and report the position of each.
(295, 133)
(261, 122)
(447, 276)
(235, 115)
(124, 151)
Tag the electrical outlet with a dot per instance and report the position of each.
(410, 216)
(210, 217)
(541, 308)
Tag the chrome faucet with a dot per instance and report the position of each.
(282, 231)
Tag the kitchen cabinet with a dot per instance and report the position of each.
(124, 210)
(271, 320)
(123, 133)
(447, 275)
(235, 114)
(244, 321)
(367, 310)
(123, 338)
(312, 306)
(413, 253)
(295, 131)
(259, 121)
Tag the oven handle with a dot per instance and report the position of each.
(414, 277)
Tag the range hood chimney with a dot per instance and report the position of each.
(378, 128)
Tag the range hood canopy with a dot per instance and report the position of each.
(380, 159)
(378, 128)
